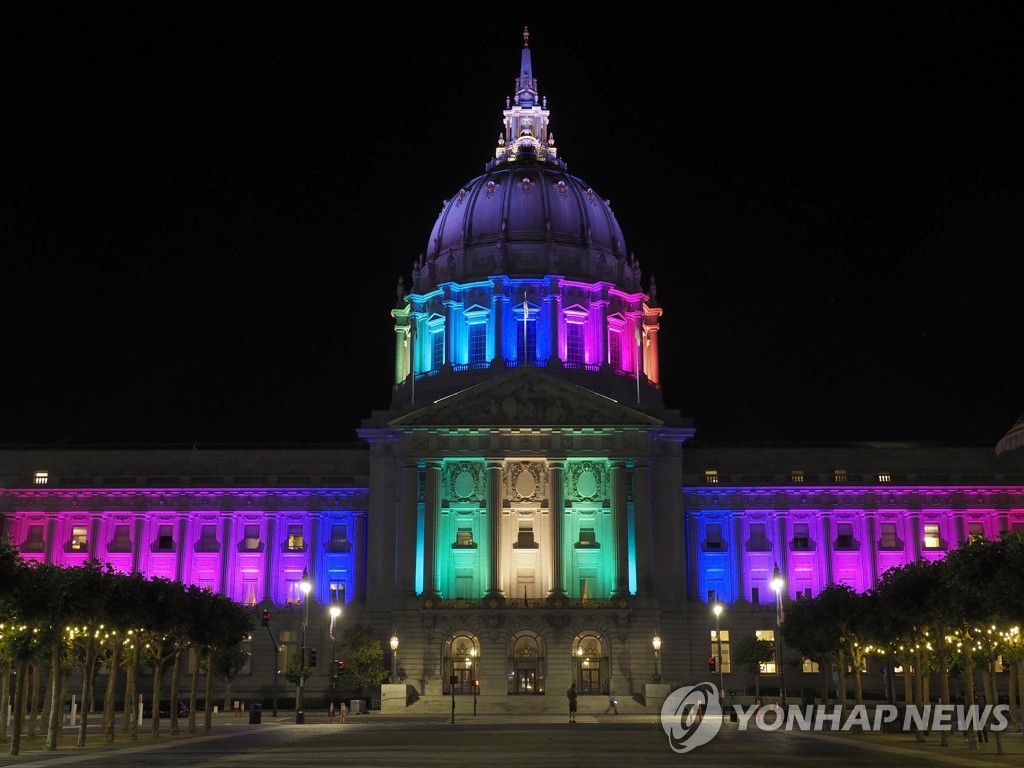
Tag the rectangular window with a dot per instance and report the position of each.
(165, 538)
(884, 477)
(975, 529)
(811, 667)
(768, 635)
(251, 538)
(34, 541)
(801, 536)
(79, 538)
(796, 476)
(587, 538)
(844, 536)
(758, 541)
(711, 476)
(615, 350)
(525, 538)
(464, 537)
(724, 658)
(574, 343)
(477, 343)
(932, 540)
(122, 541)
(339, 538)
(839, 476)
(42, 478)
(713, 536)
(207, 539)
(296, 542)
(888, 536)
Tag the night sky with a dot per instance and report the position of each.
(205, 207)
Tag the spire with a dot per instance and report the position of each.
(526, 134)
(526, 86)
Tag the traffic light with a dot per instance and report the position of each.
(312, 657)
(341, 667)
(266, 618)
(712, 664)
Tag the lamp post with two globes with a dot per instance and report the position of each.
(718, 638)
(305, 586)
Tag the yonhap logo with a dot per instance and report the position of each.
(691, 716)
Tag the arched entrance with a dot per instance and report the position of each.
(526, 665)
(460, 663)
(591, 665)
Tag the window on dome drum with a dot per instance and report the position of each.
(165, 538)
(711, 476)
(122, 541)
(796, 476)
(884, 477)
(296, 540)
(767, 667)
(887, 539)
(839, 476)
(574, 344)
(932, 540)
(587, 539)
(208, 539)
(464, 538)
(34, 540)
(713, 536)
(758, 541)
(526, 339)
(615, 349)
(436, 348)
(844, 536)
(79, 538)
(975, 529)
(251, 539)
(801, 536)
(477, 343)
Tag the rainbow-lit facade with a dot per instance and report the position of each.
(526, 512)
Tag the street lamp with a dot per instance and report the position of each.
(305, 586)
(656, 642)
(394, 657)
(718, 637)
(777, 584)
(335, 612)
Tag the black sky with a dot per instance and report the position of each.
(205, 208)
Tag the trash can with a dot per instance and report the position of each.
(255, 714)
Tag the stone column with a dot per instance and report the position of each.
(556, 505)
(405, 529)
(619, 482)
(431, 509)
(495, 504)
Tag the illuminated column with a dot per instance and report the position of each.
(619, 515)
(405, 531)
(651, 344)
(554, 316)
(556, 504)
(495, 501)
(431, 509)
(498, 301)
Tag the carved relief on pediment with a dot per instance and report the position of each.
(464, 481)
(586, 481)
(526, 481)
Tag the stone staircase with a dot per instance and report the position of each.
(555, 704)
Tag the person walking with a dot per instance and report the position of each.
(613, 705)
(571, 695)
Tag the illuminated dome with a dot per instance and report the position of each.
(526, 266)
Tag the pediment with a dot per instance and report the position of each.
(526, 396)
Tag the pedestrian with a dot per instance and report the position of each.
(613, 705)
(982, 731)
(571, 695)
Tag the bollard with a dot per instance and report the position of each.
(330, 713)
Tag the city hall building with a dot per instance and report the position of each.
(527, 512)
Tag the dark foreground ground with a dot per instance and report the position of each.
(402, 741)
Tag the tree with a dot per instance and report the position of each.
(364, 659)
(752, 653)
